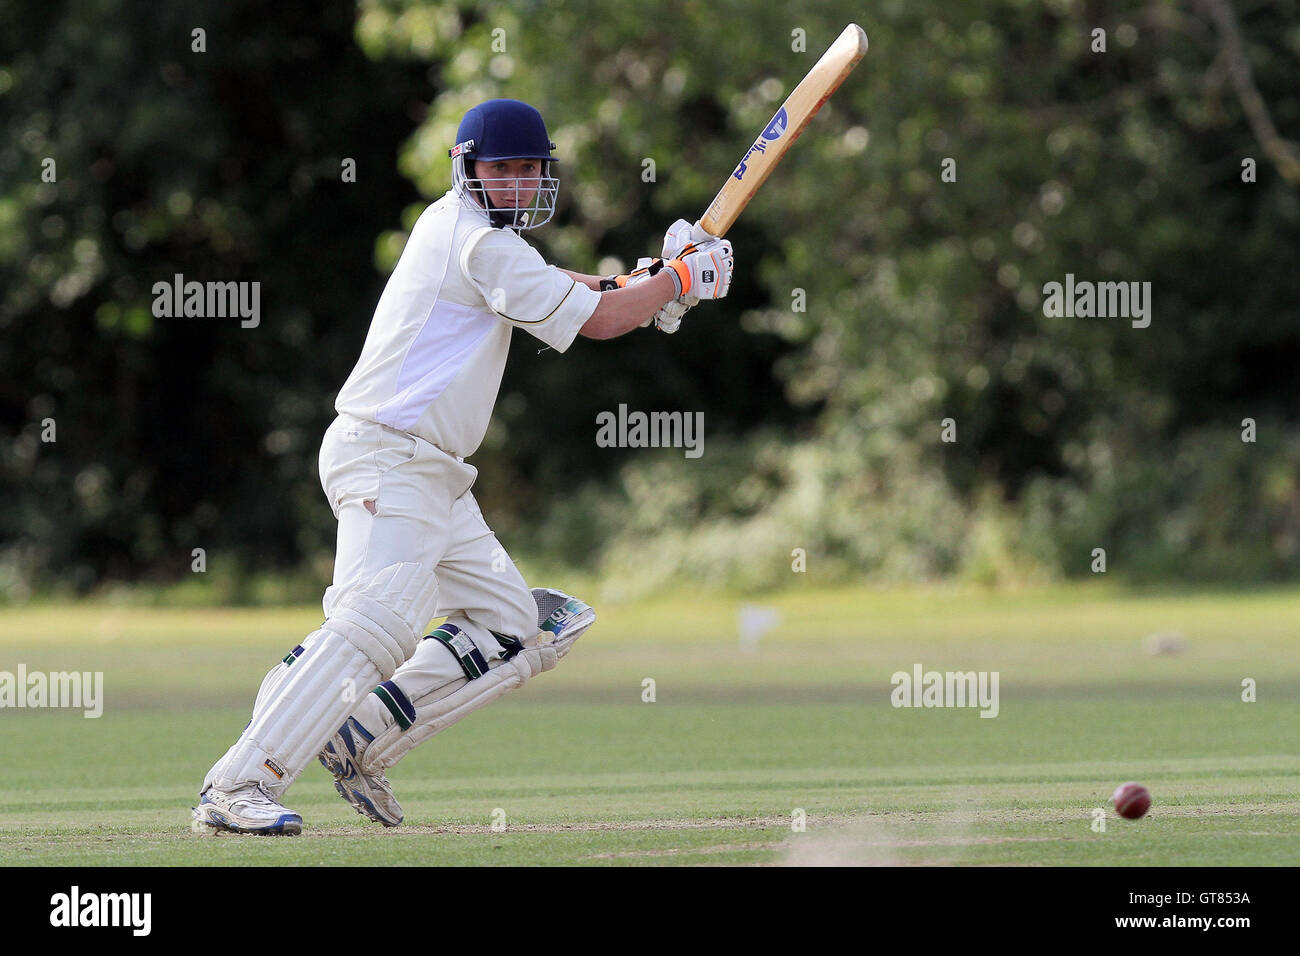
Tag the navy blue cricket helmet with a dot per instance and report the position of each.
(499, 130)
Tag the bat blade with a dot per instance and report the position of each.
(779, 135)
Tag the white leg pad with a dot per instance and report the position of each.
(372, 631)
(562, 620)
(443, 707)
(389, 614)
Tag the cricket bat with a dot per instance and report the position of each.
(779, 135)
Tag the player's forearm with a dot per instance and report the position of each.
(622, 310)
(591, 282)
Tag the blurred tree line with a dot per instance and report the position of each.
(873, 299)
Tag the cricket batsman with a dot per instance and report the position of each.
(359, 693)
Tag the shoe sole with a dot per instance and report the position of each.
(360, 802)
(289, 824)
(364, 805)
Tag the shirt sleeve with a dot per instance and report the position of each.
(524, 290)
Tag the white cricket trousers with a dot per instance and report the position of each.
(399, 498)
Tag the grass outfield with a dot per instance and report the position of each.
(735, 744)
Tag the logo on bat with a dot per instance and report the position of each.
(777, 126)
(774, 131)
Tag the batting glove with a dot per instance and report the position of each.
(679, 235)
(703, 270)
(669, 318)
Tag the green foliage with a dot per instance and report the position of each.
(923, 297)
(180, 433)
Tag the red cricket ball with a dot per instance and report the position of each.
(1131, 800)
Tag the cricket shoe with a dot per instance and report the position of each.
(246, 809)
(370, 793)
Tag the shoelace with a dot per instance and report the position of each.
(266, 794)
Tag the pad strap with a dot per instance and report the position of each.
(510, 646)
(471, 659)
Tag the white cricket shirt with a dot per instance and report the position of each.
(437, 345)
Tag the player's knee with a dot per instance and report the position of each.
(385, 617)
(521, 619)
(514, 614)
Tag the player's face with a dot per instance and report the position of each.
(511, 183)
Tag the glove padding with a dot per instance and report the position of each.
(703, 270)
(677, 238)
(679, 235)
(669, 318)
